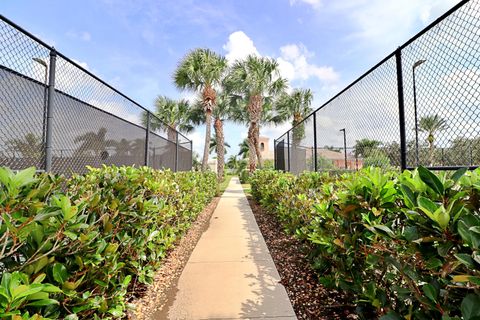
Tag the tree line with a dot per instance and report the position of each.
(250, 91)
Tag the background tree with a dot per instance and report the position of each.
(244, 149)
(174, 113)
(253, 80)
(295, 107)
(123, 147)
(365, 147)
(431, 125)
(200, 71)
(232, 162)
(30, 146)
(94, 142)
(213, 145)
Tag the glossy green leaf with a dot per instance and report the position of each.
(470, 307)
(431, 180)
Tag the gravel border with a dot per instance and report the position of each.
(309, 298)
(156, 295)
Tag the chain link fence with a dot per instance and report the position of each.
(418, 106)
(57, 116)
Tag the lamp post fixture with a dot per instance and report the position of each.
(415, 65)
(345, 146)
(45, 65)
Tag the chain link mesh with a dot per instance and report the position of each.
(361, 126)
(441, 76)
(93, 124)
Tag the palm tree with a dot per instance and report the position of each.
(95, 142)
(213, 145)
(295, 106)
(232, 162)
(174, 113)
(244, 149)
(365, 147)
(431, 125)
(30, 146)
(221, 113)
(123, 147)
(200, 71)
(254, 80)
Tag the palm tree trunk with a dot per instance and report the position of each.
(255, 114)
(431, 141)
(208, 129)
(171, 134)
(218, 125)
(251, 148)
(257, 146)
(209, 97)
(432, 154)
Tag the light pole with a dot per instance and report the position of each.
(415, 65)
(44, 64)
(345, 146)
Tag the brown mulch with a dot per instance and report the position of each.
(309, 298)
(155, 296)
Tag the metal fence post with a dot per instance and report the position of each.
(49, 124)
(288, 150)
(275, 154)
(315, 141)
(401, 110)
(147, 139)
(176, 152)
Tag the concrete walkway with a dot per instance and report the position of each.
(230, 274)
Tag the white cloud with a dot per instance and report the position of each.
(82, 64)
(239, 46)
(294, 65)
(198, 139)
(316, 4)
(82, 35)
(191, 97)
(384, 25)
(293, 61)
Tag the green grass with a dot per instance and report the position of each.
(223, 185)
(247, 189)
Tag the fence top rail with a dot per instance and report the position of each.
(401, 47)
(41, 42)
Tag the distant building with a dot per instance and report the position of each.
(265, 151)
(338, 159)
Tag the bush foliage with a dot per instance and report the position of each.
(406, 245)
(76, 248)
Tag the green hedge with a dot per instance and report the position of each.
(406, 245)
(76, 248)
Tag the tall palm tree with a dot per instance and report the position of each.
(221, 113)
(431, 125)
(175, 113)
(253, 80)
(295, 106)
(201, 71)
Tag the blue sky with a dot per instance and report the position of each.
(136, 44)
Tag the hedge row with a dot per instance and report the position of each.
(406, 245)
(77, 248)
